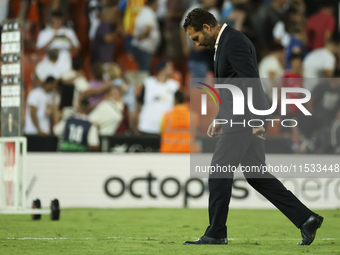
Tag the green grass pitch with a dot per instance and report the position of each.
(161, 231)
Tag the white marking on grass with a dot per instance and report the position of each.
(155, 238)
(271, 239)
(277, 239)
(37, 238)
(78, 238)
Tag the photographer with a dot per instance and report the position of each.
(59, 37)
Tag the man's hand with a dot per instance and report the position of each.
(214, 130)
(258, 132)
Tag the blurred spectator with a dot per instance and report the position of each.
(59, 5)
(77, 133)
(156, 98)
(292, 78)
(324, 106)
(188, 3)
(94, 10)
(98, 87)
(76, 77)
(113, 73)
(146, 36)
(48, 67)
(227, 9)
(103, 46)
(29, 13)
(174, 14)
(39, 109)
(237, 17)
(319, 63)
(117, 95)
(58, 37)
(240, 20)
(301, 6)
(24, 7)
(200, 59)
(108, 113)
(271, 67)
(264, 22)
(326, 100)
(320, 26)
(282, 29)
(296, 44)
(295, 70)
(131, 9)
(162, 10)
(175, 128)
(129, 95)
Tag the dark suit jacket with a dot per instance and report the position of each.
(235, 63)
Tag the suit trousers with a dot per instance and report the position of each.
(244, 148)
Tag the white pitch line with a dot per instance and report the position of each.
(278, 239)
(150, 238)
(37, 238)
(76, 238)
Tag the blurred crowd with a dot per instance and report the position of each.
(123, 67)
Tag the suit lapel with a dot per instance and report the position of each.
(219, 47)
(217, 54)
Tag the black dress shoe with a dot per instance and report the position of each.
(308, 229)
(207, 240)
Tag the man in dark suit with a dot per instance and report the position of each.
(235, 62)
